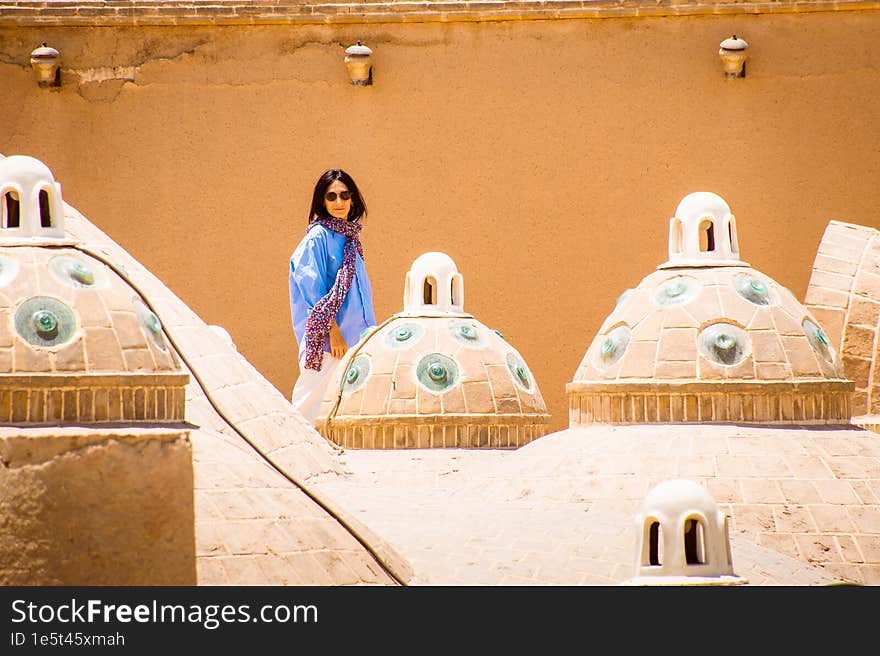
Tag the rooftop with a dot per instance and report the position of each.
(275, 12)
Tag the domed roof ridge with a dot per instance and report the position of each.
(81, 345)
(432, 375)
(708, 338)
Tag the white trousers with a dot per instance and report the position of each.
(308, 392)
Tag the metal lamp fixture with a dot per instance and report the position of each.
(358, 60)
(46, 62)
(733, 56)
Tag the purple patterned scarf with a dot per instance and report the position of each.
(318, 323)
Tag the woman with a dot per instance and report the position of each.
(331, 301)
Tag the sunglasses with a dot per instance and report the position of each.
(331, 196)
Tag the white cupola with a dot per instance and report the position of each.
(702, 233)
(682, 538)
(433, 286)
(31, 207)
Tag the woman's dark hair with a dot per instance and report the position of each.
(358, 209)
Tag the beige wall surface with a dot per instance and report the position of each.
(545, 157)
(109, 506)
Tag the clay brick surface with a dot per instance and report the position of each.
(404, 386)
(139, 360)
(90, 304)
(845, 266)
(70, 358)
(866, 284)
(429, 402)
(832, 280)
(735, 308)
(403, 406)
(128, 330)
(767, 346)
(639, 360)
(832, 519)
(501, 381)
(709, 305)
(376, 395)
(773, 371)
(708, 370)
(762, 321)
(648, 328)
(744, 370)
(568, 479)
(859, 341)
(29, 359)
(453, 401)
(103, 350)
(479, 398)
(678, 344)
(678, 317)
(869, 547)
(350, 403)
(678, 370)
(793, 519)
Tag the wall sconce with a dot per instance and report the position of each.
(733, 56)
(46, 62)
(359, 62)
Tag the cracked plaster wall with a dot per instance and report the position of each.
(545, 157)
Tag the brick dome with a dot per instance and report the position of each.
(708, 338)
(77, 341)
(844, 292)
(433, 376)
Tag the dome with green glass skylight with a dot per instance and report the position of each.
(79, 343)
(433, 376)
(708, 338)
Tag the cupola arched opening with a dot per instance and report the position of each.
(11, 209)
(653, 541)
(707, 236)
(691, 552)
(429, 287)
(695, 541)
(45, 211)
(31, 205)
(677, 237)
(456, 290)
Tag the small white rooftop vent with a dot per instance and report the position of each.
(702, 233)
(31, 208)
(682, 538)
(433, 286)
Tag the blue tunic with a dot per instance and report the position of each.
(313, 268)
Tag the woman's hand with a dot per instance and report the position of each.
(338, 346)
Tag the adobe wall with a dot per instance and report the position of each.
(545, 157)
(111, 506)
